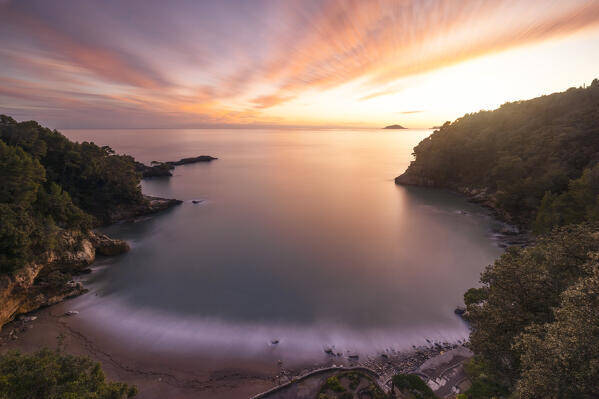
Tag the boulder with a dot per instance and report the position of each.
(107, 246)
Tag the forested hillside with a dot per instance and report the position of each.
(49, 183)
(535, 326)
(534, 160)
(534, 321)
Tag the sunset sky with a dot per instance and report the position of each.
(78, 64)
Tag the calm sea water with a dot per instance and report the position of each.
(302, 236)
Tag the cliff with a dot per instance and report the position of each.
(48, 280)
(53, 192)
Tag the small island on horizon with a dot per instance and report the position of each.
(394, 127)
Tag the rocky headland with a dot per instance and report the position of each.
(48, 280)
(164, 169)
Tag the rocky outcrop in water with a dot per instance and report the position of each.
(149, 206)
(164, 169)
(49, 280)
(106, 246)
(185, 161)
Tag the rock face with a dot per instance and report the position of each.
(47, 281)
(107, 246)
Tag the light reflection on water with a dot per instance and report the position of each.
(303, 237)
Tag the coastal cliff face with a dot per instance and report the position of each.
(53, 192)
(47, 281)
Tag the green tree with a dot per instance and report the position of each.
(560, 360)
(52, 375)
(16, 227)
(51, 183)
(517, 153)
(21, 176)
(520, 289)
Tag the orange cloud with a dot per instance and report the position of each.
(226, 66)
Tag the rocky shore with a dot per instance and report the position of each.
(48, 280)
(509, 233)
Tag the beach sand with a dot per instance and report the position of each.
(156, 375)
(186, 373)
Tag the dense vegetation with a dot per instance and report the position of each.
(53, 375)
(50, 182)
(534, 158)
(535, 320)
(535, 326)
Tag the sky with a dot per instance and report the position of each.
(326, 63)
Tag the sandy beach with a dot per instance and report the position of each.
(156, 375)
(181, 374)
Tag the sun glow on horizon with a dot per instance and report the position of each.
(322, 63)
(432, 98)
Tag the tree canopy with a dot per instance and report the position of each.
(534, 319)
(53, 375)
(50, 182)
(524, 153)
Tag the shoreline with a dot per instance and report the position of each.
(189, 375)
(156, 375)
(160, 375)
(27, 289)
(509, 234)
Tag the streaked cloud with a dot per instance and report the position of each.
(111, 63)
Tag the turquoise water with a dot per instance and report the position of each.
(302, 236)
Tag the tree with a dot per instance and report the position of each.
(521, 289)
(21, 176)
(560, 360)
(52, 375)
(517, 153)
(16, 227)
(49, 183)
